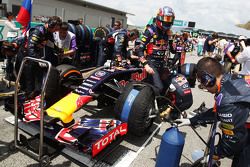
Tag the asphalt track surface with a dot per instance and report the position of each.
(140, 156)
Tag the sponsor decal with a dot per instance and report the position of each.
(226, 120)
(86, 84)
(123, 82)
(225, 115)
(100, 74)
(91, 81)
(144, 39)
(131, 99)
(84, 88)
(32, 109)
(139, 76)
(96, 78)
(34, 39)
(188, 91)
(180, 80)
(227, 131)
(135, 76)
(81, 100)
(90, 91)
(80, 92)
(227, 126)
(64, 136)
(102, 143)
(185, 86)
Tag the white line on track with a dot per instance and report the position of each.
(131, 155)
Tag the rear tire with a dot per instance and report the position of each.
(134, 106)
(69, 76)
(58, 78)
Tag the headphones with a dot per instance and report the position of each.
(208, 80)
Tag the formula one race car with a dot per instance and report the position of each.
(135, 101)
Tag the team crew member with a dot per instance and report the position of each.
(155, 41)
(36, 40)
(117, 43)
(232, 101)
(66, 41)
(121, 43)
(117, 25)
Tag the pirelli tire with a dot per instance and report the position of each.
(134, 106)
(68, 75)
(66, 70)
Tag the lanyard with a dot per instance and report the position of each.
(215, 106)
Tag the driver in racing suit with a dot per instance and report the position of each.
(155, 41)
(36, 40)
(232, 107)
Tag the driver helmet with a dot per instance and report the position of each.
(165, 18)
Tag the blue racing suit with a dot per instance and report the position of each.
(232, 110)
(33, 47)
(116, 43)
(156, 43)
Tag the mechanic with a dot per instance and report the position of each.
(232, 101)
(155, 41)
(132, 50)
(66, 42)
(105, 48)
(122, 42)
(35, 41)
(117, 43)
(117, 25)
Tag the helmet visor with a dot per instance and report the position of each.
(167, 24)
(168, 19)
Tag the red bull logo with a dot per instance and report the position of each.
(135, 76)
(139, 76)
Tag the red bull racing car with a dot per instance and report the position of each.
(68, 89)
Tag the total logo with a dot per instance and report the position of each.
(108, 138)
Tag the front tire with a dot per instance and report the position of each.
(134, 106)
